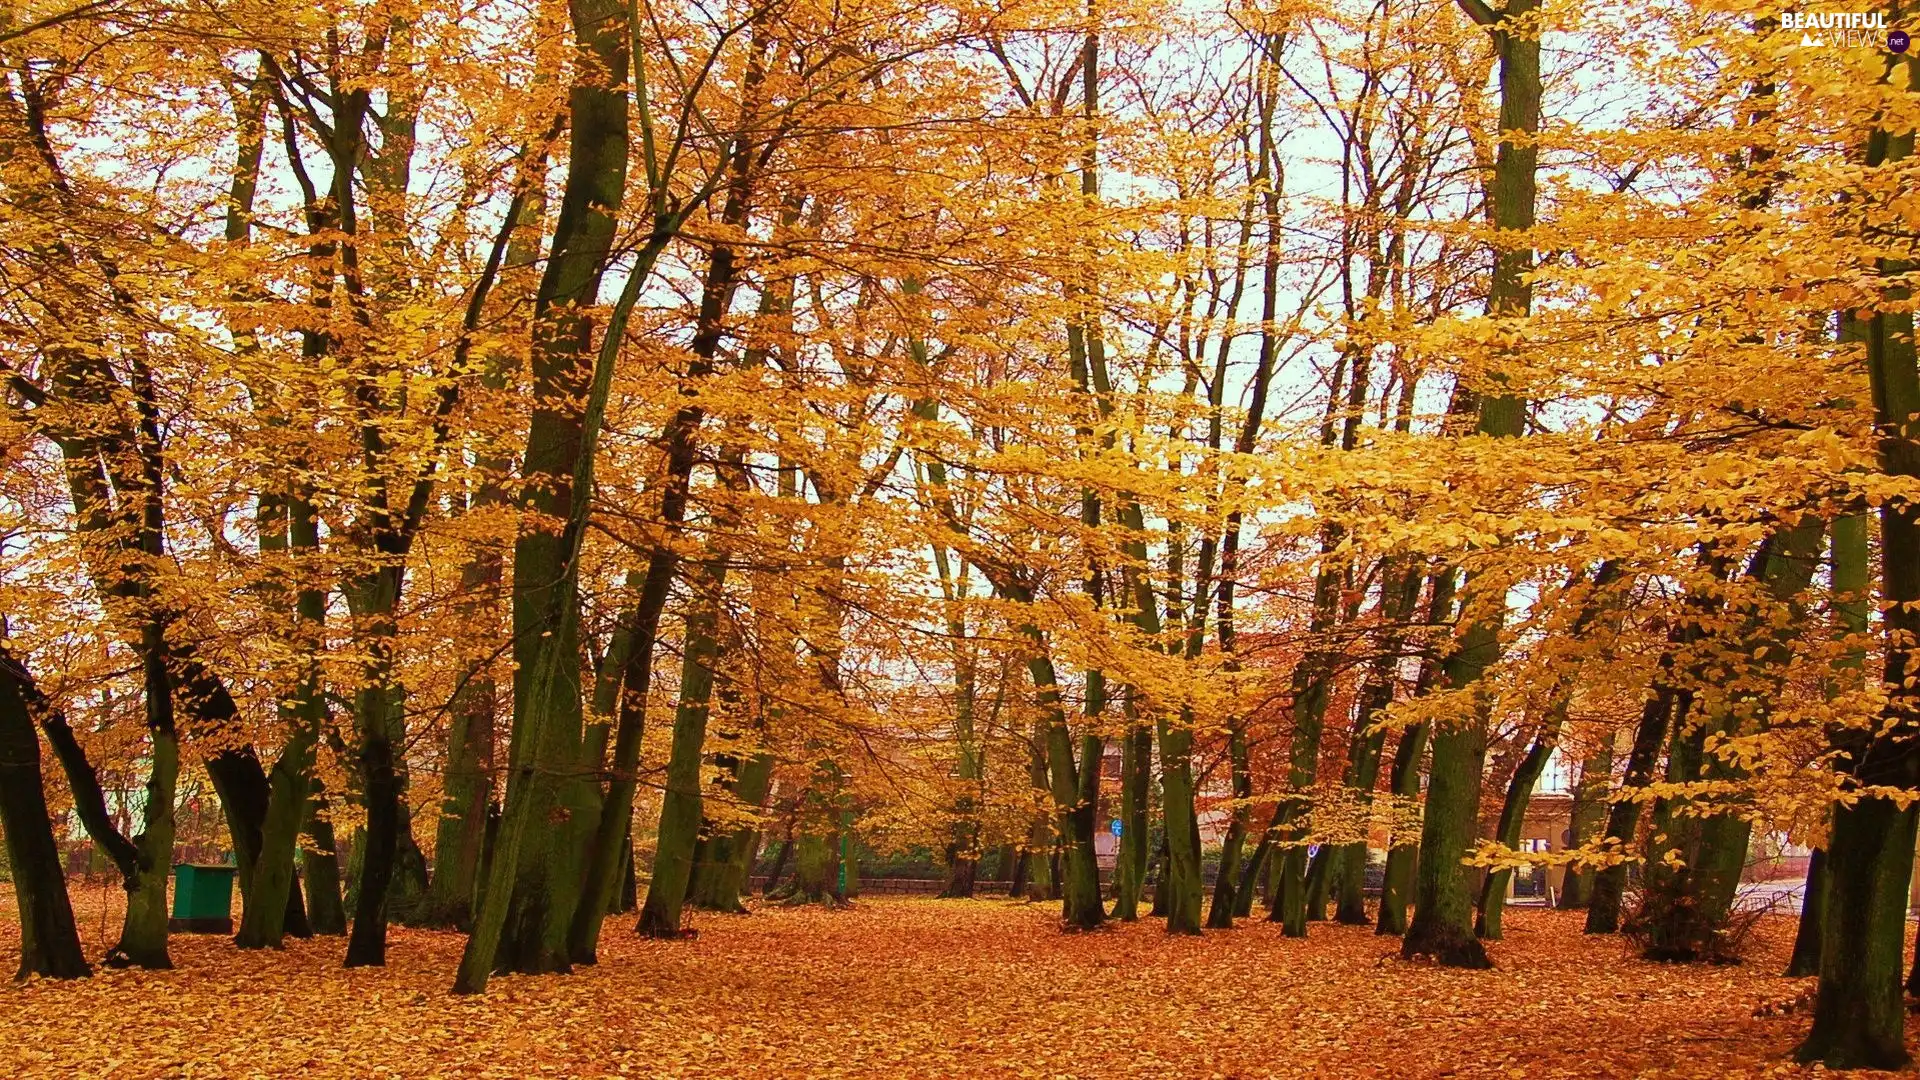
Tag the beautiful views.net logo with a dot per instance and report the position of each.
(1846, 29)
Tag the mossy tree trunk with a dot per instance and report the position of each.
(1513, 810)
(963, 850)
(290, 784)
(1663, 721)
(1083, 907)
(137, 476)
(1399, 595)
(1311, 686)
(1851, 579)
(1859, 1018)
(1442, 924)
(722, 889)
(1403, 847)
(1588, 813)
(238, 780)
(467, 790)
(1136, 780)
(1720, 835)
(1158, 875)
(849, 856)
(1033, 878)
(783, 855)
(1403, 850)
(376, 611)
(1513, 816)
(1178, 893)
(1623, 817)
(320, 866)
(570, 389)
(680, 809)
(143, 933)
(816, 867)
(1225, 892)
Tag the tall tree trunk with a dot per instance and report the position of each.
(1717, 855)
(467, 783)
(729, 878)
(1136, 780)
(1859, 1018)
(1233, 897)
(290, 785)
(1589, 812)
(378, 599)
(611, 846)
(557, 468)
(1034, 877)
(1663, 721)
(1513, 817)
(277, 508)
(1513, 811)
(1177, 896)
(963, 855)
(1084, 908)
(49, 941)
(816, 866)
(1225, 893)
(963, 851)
(1852, 583)
(1623, 818)
(780, 858)
(467, 790)
(320, 863)
(1809, 934)
(1017, 876)
(1312, 686)
(680, 809)
(1400, 593)
(143, 934)
(1442, 923)
(1443, 911)
(1403, 850)
(1684, 918)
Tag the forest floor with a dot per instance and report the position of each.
(915, 987)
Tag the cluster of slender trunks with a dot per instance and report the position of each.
(533, 843)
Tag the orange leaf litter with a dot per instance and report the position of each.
(916, 987)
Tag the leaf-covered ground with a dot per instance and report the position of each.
(916, 987)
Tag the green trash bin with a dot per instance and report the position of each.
(202, 899)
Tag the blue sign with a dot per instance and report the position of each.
(1115, 827)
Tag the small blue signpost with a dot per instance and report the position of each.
(1115, 827)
